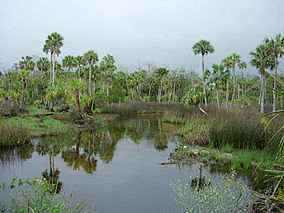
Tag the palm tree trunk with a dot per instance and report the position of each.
(227, 93)
(51, 64)
(160, 92)
(218, 101)
(174, 92)
(234, 86)
(243, 97)
(79, 72)
(90, 76)
(275, 87)
(23, 97)
(78, 104)
(239, 92)
(263, 93)
(53, 69)
(149, 92)
(203, 81)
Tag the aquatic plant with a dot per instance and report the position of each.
(228, 195)
(39, 195)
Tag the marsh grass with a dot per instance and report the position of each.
(13, 134)
(237, 128)
(134, 108)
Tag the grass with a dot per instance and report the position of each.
(235, 158)
(13, 134)
(135, 108)
(34, 126)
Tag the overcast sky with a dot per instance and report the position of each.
(157, 31)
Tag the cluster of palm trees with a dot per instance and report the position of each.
(266, 56)
(85, 82)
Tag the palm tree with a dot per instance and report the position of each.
(261, 59)
(91, 58)
(79, 60)
(276, 47)
(242, 65)
(68, 62)
(107, 66)
(216, 78)
(235, 59)
(74, 87)
(159, 75)
(27, 63)
(203, 47)
(43, 64)
(24, 77)
(228, 64)
(53, 44)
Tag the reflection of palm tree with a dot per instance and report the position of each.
(199, 182)
(11, 155)
(85, 160)
(52, 147)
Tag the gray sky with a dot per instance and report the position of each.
(158, 31)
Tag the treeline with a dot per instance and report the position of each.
(84, 82)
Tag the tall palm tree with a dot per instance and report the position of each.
(159, 75)
(261, 59)
(242, 65)
(91, 58)
(79, 61)
(108, 67)
(216, 77)
(235, 59)
(228, 64)
(203, 47)
(24, 77)
(53, 43)
(276, 47)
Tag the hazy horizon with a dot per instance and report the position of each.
(160, 32)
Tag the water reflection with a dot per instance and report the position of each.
(96, 165)
(15, 155)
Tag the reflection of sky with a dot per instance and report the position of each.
(131, 182)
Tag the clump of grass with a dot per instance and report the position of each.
(13, 134)
(240, 128)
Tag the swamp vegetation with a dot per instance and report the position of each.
(81, 111)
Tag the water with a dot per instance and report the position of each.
(115, 169)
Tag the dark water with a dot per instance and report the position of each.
(115, 169)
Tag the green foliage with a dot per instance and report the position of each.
(39, 195)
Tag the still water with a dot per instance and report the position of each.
(116, 169)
